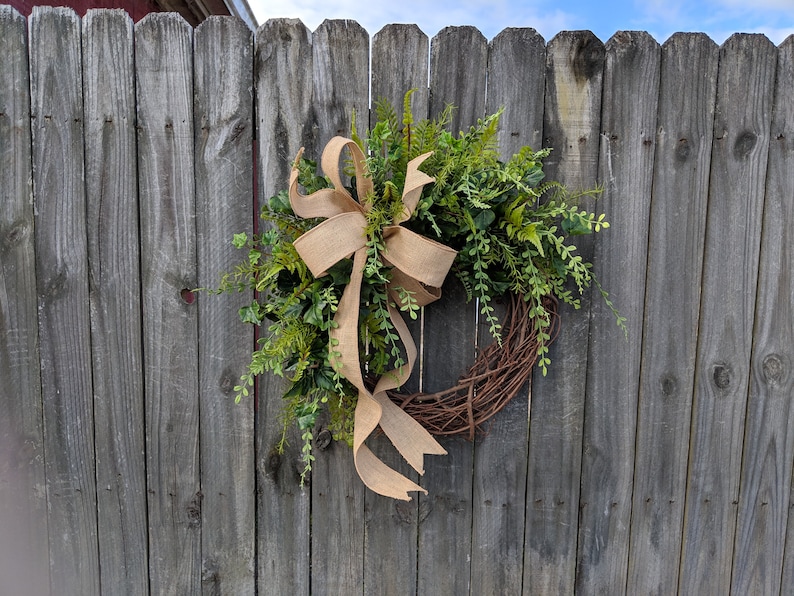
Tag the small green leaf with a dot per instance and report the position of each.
(240, 240)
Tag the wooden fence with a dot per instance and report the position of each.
(653, 464)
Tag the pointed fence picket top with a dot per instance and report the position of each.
(130, 154)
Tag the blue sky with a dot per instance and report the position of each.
(661, 18)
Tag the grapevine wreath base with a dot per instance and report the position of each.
(497, 375)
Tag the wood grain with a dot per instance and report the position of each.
(115, 290)
(675, 262)
(399, 63)
(764, 494)
(223, 114)
(283, 79)
(628, 127)
(572, 117)
(341, 85)
(164, 79)
(730, 273)
(23, 516)
(62, 286)
(458, 60)
(516, 82)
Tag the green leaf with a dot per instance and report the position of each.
(240, 240)
(531, 234)
(575, 225)
(484, 219)
(251, 313)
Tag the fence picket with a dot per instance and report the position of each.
(164, 66)
(458, 62)
(399, 63)
(23, 516)
(516, 78)
(675, 253)
(341, 85)
(223, 111)
(114, 261)
(284, 124)
(628, 130)
(62, 282)
(730, 272)
(572, 118)
(764, 497)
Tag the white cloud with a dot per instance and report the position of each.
(757, 4)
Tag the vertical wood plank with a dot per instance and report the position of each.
(284, 92)
(765, 480)
(23, 516)
(458, 63)
(628, 131)
(341, 78)
(678, 218)
(62, 283)
(223, 124)
(399, 63)
(284, 124)
(458, 68)
(516, 82)
(733, 230)
(341, 85)
(164, 66)
(572, 119)
(114, 256)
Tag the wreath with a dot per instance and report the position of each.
(340, 263)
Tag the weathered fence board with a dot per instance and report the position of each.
(628, 127)
(730, 272)
(572, 119)
(450, 331)
(223, 124)
(764, 498)
(164, 78)
(23, 516)
(283, 83)
(516, 70)
(341, 86)
(657, 463)
(399, 64)
(62, 286)
(114, 282)
(675, 256)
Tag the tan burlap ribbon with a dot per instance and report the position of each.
(419, 265)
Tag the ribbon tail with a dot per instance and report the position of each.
(373, 472)
(381, 479)
(409, 437)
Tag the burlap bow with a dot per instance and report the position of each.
(419, 265)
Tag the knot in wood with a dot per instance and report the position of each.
(323, 439)
(194, 510)
(682, 150)
(722, 376)
(744, 144)
(669, 385)
(15, 235)
(773, 369)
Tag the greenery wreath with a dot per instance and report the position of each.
(508, 230)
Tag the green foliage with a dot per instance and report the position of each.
(512, 229)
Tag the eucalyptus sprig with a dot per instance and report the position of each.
(512, 229)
